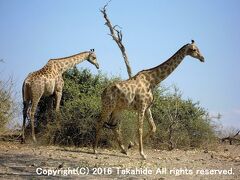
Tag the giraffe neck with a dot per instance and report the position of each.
(63, 64)
(161, 72)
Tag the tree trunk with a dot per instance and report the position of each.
(116, 34)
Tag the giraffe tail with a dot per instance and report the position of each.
(110, 124)
(25, 94)
(26, 100)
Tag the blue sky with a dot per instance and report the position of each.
(33, 31)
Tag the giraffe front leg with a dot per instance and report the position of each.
(140, 132)
(118, 135)
(58, 93)
(58, 99)
(151, 124)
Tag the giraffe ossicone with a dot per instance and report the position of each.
(48, 81)
(136, 93)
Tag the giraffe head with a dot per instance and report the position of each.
(92, 58)
(193, 51)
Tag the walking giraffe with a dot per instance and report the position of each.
(48, 81)
(136, 93)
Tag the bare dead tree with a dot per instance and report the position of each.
(231, 138)
(116, 34)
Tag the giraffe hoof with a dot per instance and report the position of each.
(22, 140)
(34, 140)
(131, 144)
(124, 152)
(144, 157)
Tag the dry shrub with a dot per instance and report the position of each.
(180, 123)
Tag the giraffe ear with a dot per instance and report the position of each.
(193, 41)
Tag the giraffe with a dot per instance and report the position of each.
(48, 81)
(136, 94)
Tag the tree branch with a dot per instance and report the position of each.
(117, 36)
(231, 138)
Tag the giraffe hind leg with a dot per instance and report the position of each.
(99, 126)
(140, 131)
(118, 136)
(151, 123)
(151, 131)
(108, 105)
(33, 109)
(35, 101)
(117, 131)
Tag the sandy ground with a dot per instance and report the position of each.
(29, 161)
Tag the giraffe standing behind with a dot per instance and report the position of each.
(136, 93)
(48, 81)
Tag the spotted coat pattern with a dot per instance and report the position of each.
(136, 93)
(48, 81)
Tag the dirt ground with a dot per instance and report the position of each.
(29, 161)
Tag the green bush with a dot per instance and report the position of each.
(7, 104)
(180, 123)
(80, 109)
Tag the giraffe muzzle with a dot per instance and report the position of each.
(201, 59)
(97, 66)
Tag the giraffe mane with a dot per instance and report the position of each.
(150, 69)
(68, 56)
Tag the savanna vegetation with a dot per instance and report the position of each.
(180, 123)
(8, 105)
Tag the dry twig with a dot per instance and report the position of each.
(231, 138)
(116, 34)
